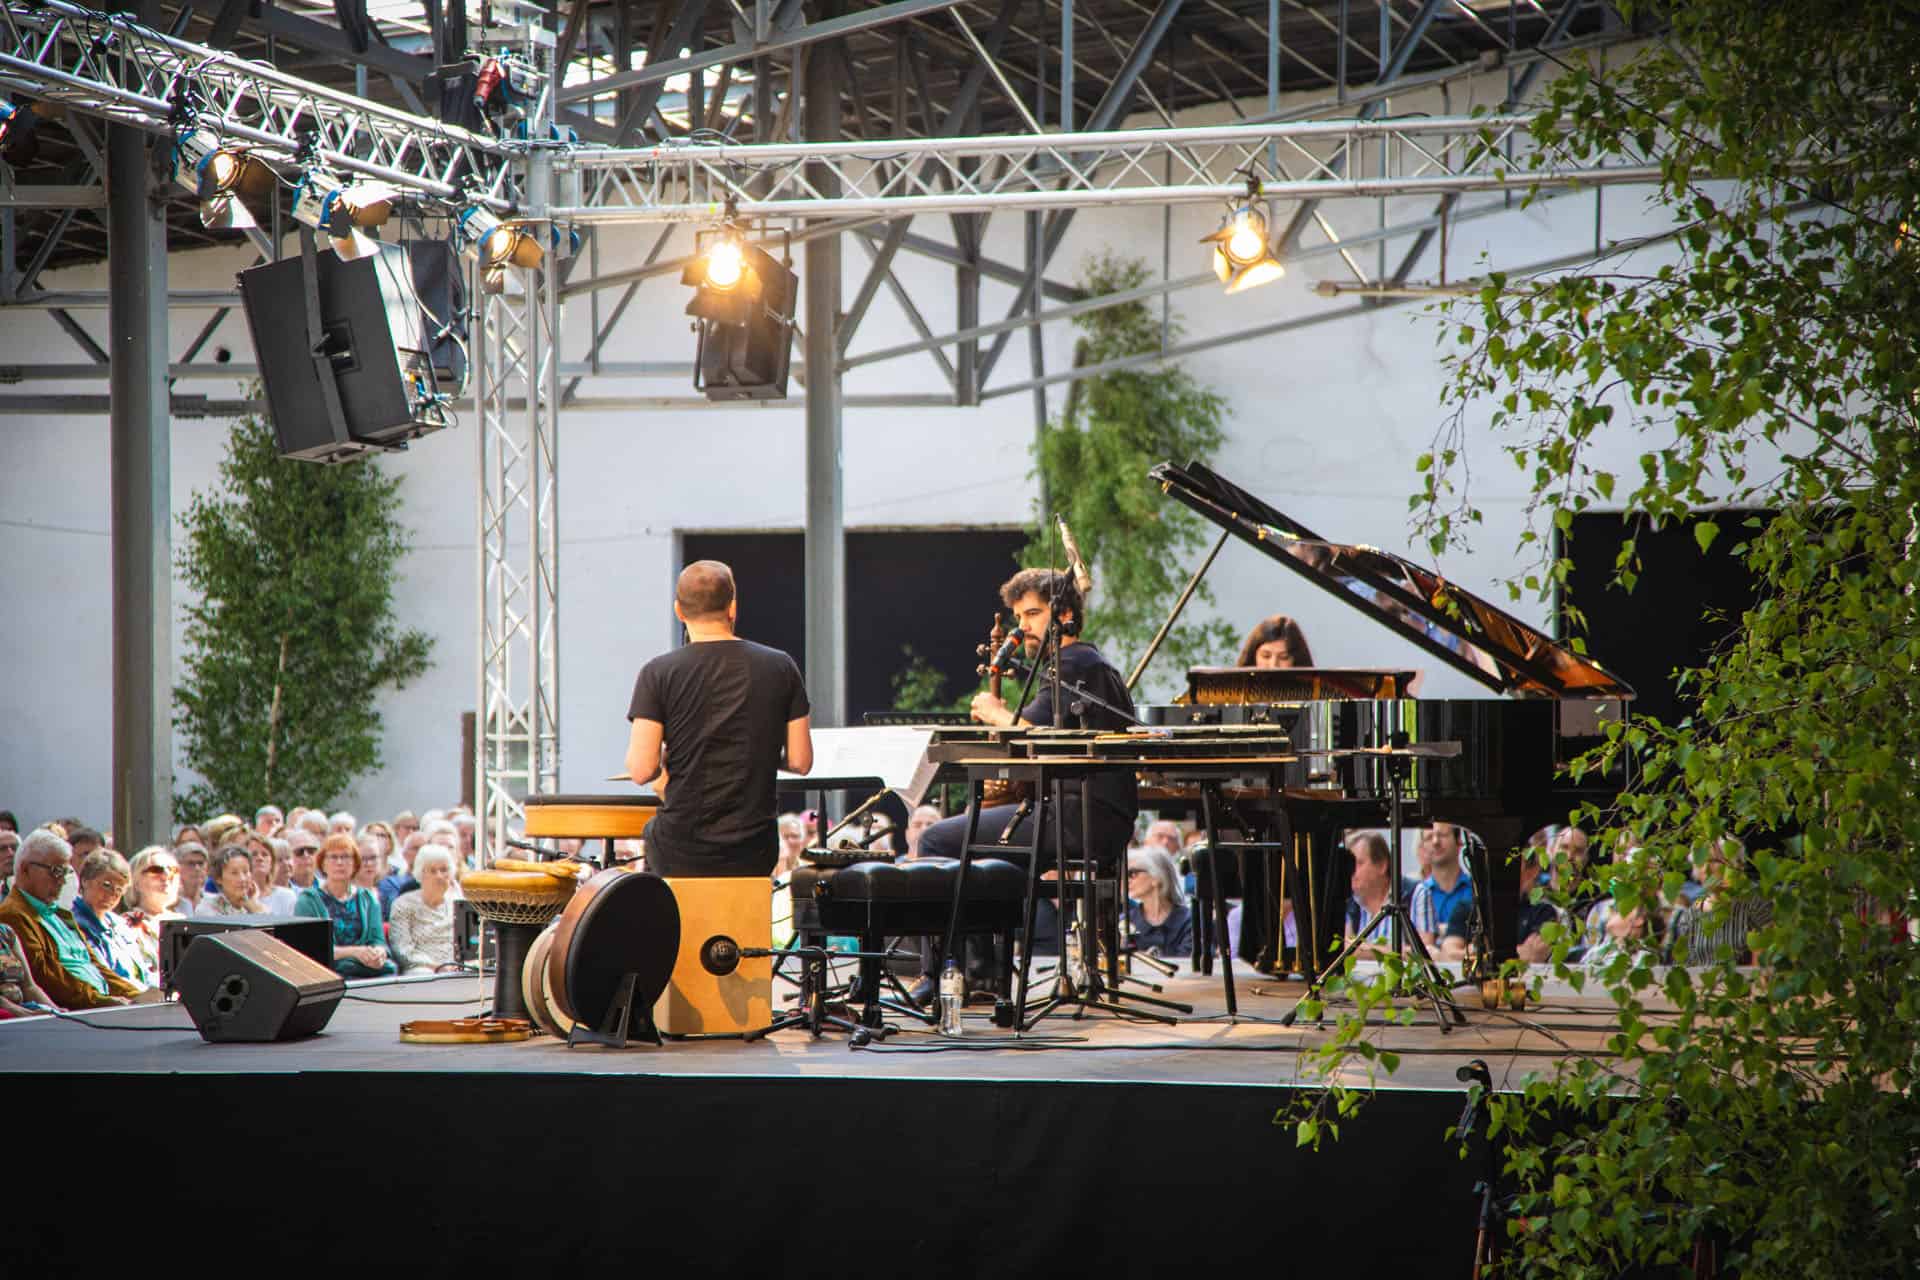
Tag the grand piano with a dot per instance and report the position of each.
(1550, 704)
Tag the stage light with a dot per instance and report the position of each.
(227, 180)
(743, 301)
(321, 202)
(1242, 259)
(494, 244)
(19, 133)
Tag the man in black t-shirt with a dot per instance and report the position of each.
(724, 715)
(1114, 796)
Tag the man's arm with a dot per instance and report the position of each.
(800, 745)
(643, 751)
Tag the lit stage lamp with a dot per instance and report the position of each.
(1241, 256)
(494, 244)
(227, 179)
(19, 133)
(340, 212)
(726, 279)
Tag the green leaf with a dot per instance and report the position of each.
(1705, 532)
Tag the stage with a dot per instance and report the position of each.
(1092, 1142)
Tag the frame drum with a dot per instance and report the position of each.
(620, 922)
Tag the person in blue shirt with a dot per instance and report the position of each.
(1445, 888)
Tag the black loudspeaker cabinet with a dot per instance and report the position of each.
(750, 361)
(250, 986)
(311, 938)
(375, 322)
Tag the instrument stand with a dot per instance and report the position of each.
(622, 1023)
(814, 1012)
(1488, 1231)
(1429, 980)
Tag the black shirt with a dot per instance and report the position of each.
(723, 706)
(1086, 666)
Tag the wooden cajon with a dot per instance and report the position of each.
(697, 1002)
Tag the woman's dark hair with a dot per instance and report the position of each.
(228, 852)
(1053, 586)
(8, 821)
(1278, 627)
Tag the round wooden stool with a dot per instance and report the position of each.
(590, 817)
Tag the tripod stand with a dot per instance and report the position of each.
(813, 1012)
(1429, 981)
(1486, 1240)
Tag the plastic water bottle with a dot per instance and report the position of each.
(1076, 965)
(953, 998)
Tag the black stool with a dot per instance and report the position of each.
(877, 900)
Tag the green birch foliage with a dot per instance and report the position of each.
(288, 558)
(1768, 355)
(1093, 461)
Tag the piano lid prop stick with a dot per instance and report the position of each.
(1193, 584)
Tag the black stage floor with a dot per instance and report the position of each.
(1095, 1145)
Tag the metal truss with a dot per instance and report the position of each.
(515, 380)
(1303, 160)
(112, 67)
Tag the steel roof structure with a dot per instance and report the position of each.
(841, 124)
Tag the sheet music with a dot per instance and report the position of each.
(894, 755)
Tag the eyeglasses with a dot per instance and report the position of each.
(117, 887)
(1136, 871)
(58, 870)
(160, 869)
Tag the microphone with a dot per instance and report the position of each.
(1008, 647)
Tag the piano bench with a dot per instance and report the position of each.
(879, 900)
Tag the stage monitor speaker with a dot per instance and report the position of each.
(311, 938)
(391, 323)
(749, 361)
(250, 986)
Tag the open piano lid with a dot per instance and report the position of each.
(1456, 626)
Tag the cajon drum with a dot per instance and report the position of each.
(698, 1001)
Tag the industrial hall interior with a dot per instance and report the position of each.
(1185, 621)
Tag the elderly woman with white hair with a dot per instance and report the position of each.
(151, 899)
(421, 926)
(1158, 913)
(104, 880)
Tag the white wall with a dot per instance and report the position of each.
(1325, 423)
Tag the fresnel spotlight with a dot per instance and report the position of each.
(495, 245)
(742, 305)
(228, 181)
(19, 136)
(1242, 258)
(341, 212)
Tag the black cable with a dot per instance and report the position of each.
(67, 1016)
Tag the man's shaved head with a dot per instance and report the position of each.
(705, 591)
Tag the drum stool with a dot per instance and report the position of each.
(875, 900)
(590, 817)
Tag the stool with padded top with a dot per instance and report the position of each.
(876, 900)
(576, 816)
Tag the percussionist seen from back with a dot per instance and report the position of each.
(712, 723)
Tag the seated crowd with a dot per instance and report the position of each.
(80, 923)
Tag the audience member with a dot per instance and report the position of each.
(223, 831)
(57, 955)
(465, 828)
(372, 868)
(1447, 887)
(9, 846)
(1277, 641)
(192, 857)
(150, 900)
(388, 851)
(267, 819)
(359, 943)
(303, 852)
(401, 880)
(793, 841)
(1167, 835)
(232, 880)
(1157, 912)
(316, 822)
(922, 817)
(104, 881)
(1372, 867)
(1614, 931)
(189, 832)
(405, 823)
(8, 822)
(423, 917)
(1716, 923)
(20, 995)
(269, 858)
(342, 823)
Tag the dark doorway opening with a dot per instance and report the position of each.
(931, 591)
(1685, 605)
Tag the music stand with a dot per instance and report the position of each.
(1429, 980)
